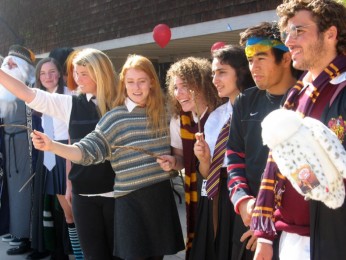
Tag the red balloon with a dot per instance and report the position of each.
(217, 45)
(162, 35)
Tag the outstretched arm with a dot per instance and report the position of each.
(16, 87)
(44, 143)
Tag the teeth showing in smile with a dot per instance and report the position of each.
(183, 101)
(296, 52)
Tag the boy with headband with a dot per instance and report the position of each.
(271, 69)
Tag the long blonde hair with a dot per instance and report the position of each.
(102, 72)
(155, 106)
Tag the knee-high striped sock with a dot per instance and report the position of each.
(48, 224)
(72, 232)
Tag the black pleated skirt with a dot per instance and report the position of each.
(205, 246)
(55, 180)
(146, 223)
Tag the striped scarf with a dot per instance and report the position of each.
(272, 183)
(334, 69)
(188, 130)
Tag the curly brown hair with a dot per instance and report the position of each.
(196, 72)
(326, 13)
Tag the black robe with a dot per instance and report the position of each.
(328, 226)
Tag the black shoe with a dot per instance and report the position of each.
(58, 256)
(38, 255)
(18, 250)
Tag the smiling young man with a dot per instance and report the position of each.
(271, 68)
(315, 33)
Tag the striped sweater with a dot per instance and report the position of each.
(133, 169)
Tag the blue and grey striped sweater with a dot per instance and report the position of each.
(133, 169)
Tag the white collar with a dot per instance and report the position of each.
(130, 104)
(229, 107)
(89, 96)
(339, 79)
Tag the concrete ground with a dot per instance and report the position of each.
(181, 208)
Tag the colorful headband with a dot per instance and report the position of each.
(261, 44)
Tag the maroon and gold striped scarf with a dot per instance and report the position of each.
(334, 69)
(272, 183)
(188, 130)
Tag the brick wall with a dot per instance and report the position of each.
(46, 24)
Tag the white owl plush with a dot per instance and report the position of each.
(308, 154)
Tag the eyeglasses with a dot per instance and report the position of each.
(293, 31)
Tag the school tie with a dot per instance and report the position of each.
(48, 158)
(213, 178)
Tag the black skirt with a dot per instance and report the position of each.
(146, 223)
(55, 180)
(205, 246)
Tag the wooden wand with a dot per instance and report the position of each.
(197, 111)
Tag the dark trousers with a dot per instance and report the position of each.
(94, 220)
(4, 209)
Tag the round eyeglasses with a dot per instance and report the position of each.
(293, 31)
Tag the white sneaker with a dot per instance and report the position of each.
(7, 238)
(17, 241)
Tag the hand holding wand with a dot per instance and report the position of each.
(197, 111)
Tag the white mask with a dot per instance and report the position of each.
(7, 99)
(14, 72)
(23, 72)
